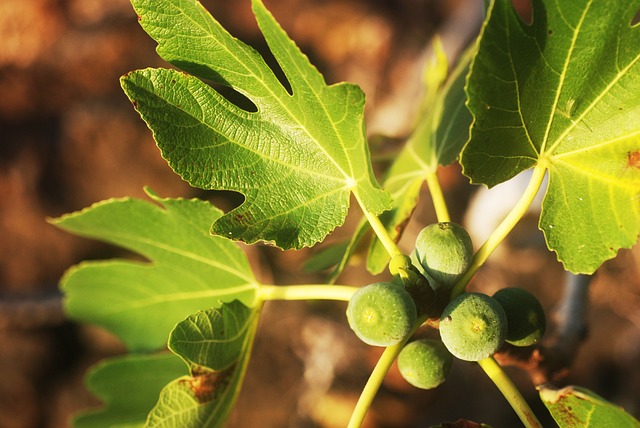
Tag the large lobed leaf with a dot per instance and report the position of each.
(216, 346)
(189, 270)
(577, 407)
(130, 387)
(563, 93)
(156, 391)
(297, 159)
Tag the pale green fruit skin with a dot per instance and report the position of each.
(381, 314)
(473, 326)
(444, 250)
(525, 316)
(425, 363)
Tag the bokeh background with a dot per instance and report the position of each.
(69, 138)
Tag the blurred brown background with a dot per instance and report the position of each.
(69, 137)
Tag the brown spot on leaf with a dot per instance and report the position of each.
(207, 384)
(244, 218)
(633, 159)
(562, 409)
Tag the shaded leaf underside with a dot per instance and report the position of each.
(441, 131)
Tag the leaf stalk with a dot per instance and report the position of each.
(306, 292)
(439, 204)
(377, 377)
(503, 229)
(380, 230)
(510, 392)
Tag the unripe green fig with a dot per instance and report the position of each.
(473, 326)
(525, 316)
(425, 363)
(444, 250)
(381, 314)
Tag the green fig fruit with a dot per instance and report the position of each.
(444, 250)
(381, 314)
(473, 326)
(425, 363)
(525, 316)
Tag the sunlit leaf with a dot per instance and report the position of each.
(130, 387)
(563, 93)
(188, 270)
(297, 159)
(577, 407)
(216, 345)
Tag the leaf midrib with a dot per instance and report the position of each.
(563, 75)
(175, 297)
(280, 102)
(591, 106)
(118, 238)
(586, 111)
(595, 146)
(614, 181)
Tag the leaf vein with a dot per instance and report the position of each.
(563, 74)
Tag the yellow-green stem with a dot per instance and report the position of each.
(439, 204)
(375, 379)
(510, 392)
(306, 292)
(380, 231)
(501, 232)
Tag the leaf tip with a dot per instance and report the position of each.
(151, 193)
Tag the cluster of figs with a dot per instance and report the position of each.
(473, 326)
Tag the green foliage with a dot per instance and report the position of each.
(216, 345)
(564, 93)
(425, 363)
(297, 159)
(130, 387)
(561, 95)
(141, 302)
(525, 316)
(381, 314)
(444, 250)
(473, 326)
(441, 130)
(578, 407)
